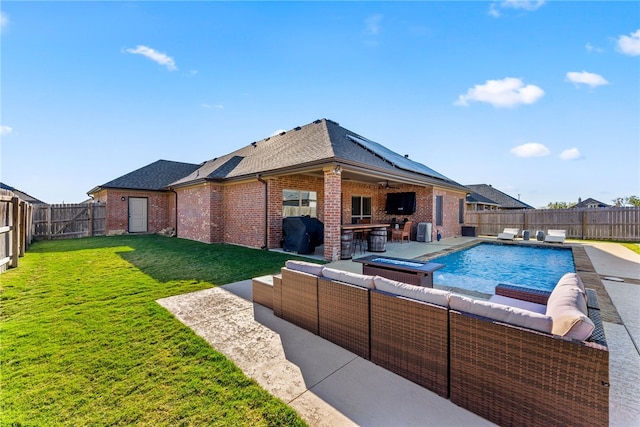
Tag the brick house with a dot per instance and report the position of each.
(321, 169)
(140, 202)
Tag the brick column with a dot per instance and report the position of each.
(332, 213)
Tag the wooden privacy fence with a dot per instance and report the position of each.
(621, 224)
(68, 220)
(15, 229)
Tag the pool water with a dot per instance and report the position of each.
(481, 267)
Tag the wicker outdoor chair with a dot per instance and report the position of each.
(343, 315)
(516, 376)
(410, 338)
(299, 299)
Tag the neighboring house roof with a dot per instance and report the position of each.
(311, 146)
(480, 199)
(21, 194)
(155, 176)
(590, 203)
(503, 200)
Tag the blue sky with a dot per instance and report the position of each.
(539, 99)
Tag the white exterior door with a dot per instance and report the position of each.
(137, 215)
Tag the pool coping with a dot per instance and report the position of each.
(584, 267)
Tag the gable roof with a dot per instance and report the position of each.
(155, 176)
(318, 143)
(21, 194)
(589, 203)
(501, 199)
(480, 199)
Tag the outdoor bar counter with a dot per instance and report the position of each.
(377, 240)
(419, 273)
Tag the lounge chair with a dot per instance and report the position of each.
(555, 236)
(508, 234)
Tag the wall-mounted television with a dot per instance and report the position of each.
(401, 203)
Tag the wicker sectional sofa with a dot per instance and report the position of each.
(512, 360)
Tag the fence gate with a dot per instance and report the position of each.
(68, 220)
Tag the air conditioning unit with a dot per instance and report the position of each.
(423, 233)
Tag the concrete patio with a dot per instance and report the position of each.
(330, 386)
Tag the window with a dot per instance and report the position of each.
(360, 209)
(461, 211)
(438, 210)
(299, 203)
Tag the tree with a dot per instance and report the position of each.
(558, 205)
(626, 201)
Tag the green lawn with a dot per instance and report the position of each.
(83, 341)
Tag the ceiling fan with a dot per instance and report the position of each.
(385, 185)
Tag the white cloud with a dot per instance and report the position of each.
(493, 10)
(527, 5)
(154, 55)
(570, 154)
(530, 149)
(591, 48)
(629, 45)
(5, 130)
(372, 24)
(507, 92)
(522, 4)
(278, 132)
(586, 78)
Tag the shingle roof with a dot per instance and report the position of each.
(590, 203)
(478, 198)
(155, 176)
(321, 141)
(503, 200)
(21, 194)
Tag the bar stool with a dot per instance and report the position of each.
(359, 242)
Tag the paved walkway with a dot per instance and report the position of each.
(330, 386)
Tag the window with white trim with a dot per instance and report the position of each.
(360, 209)
(299, 203)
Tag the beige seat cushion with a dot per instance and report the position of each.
(356, 279)
(502, 313)
(420, 293)
(305, 267)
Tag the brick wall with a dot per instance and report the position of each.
(331, 209)
(451, 226)
(244, 215)
(194, 213)
(424, 203)
(160, 209)
(290, 182)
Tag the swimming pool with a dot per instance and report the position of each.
(481, 267)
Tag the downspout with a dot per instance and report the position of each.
(266, 212)
(176, 210)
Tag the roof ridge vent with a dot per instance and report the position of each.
(334, 122)
(282, 133)
(297, 128)
(254, 143)
(317, 121)
(267, 138)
